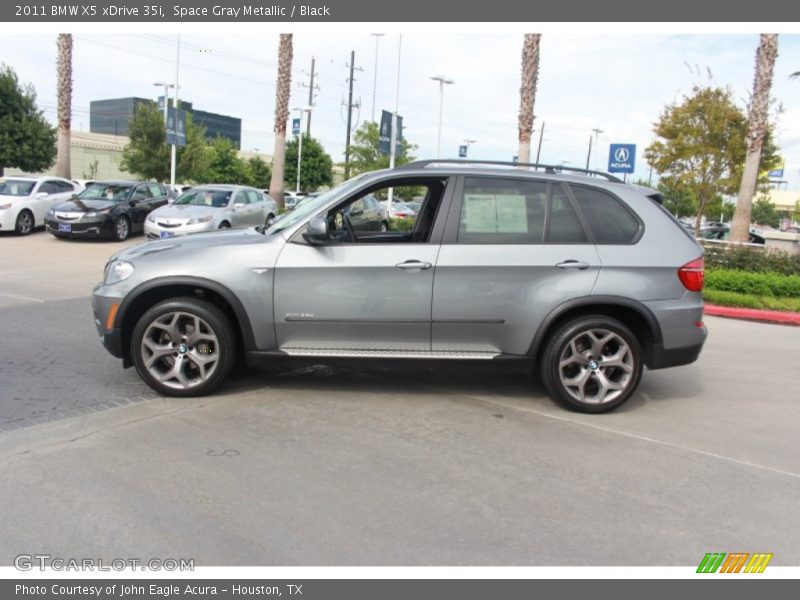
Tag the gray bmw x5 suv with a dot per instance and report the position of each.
(571, 272)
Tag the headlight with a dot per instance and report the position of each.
(117, 271)
(201, 220)
(97, 213)
(151, 218)
(3, 206)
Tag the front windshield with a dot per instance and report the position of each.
(212, 198)
(311, 205)
(16, 187)
(106, 191)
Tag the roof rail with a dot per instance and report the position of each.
(549, 169)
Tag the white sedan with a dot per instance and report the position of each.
(24, 201)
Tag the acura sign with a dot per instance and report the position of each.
(622, 158)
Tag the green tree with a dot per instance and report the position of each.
(316, 169)
(259, 173)
(27, 141)
(147, 155)
(364, 153)
(679, 202)
(700, 146)
(719, 208)
(225, 166)
(765, 213)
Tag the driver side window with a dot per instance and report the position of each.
(367, 218)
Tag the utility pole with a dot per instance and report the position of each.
(349, 115)
(539, 149)
(589, 155)
(311, 89)
(597, 131)
(393, 141)
(173, 155)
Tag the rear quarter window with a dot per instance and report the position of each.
(609, 219)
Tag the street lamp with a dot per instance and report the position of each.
(300, 110)
(597, 131)
(442, 82)
(378, 37)
(468, 143)
(166, 87)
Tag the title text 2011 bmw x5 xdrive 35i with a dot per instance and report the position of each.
(583, 276)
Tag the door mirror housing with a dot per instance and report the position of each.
(317, 231)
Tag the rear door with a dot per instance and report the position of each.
(514, 250)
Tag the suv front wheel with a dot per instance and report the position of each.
(183, 347)
(592, 364)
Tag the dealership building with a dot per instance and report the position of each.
(113, 116)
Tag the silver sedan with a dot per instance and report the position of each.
(211, 207)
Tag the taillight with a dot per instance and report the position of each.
(692, 274)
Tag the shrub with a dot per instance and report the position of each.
(758, 284)
(406, 224)
(747, 258)
(722, 298)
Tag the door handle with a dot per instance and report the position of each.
(573, 264)
(414, 265)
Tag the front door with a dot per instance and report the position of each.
(364, 293)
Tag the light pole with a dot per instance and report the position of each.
(166, 87)
(174, 147)
(378, 37)
(468, 143)
(597, 132)
(300, 110)
(393, 140)
(442, 82)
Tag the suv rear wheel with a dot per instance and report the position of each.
(592, 364)
(183, 347)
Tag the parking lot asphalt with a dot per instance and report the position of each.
(380, 466)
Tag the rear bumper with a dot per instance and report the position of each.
(663, 358)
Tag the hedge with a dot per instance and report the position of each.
(722, 298)
(757, 284)
(746, 258)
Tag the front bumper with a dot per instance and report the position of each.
(111, 337)
(84, 228)
(153, 231)
(8, 219)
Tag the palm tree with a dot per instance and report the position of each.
(527, 93)
(757, 124)
(281, 116)
(64, 66)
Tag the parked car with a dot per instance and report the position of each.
(107, 209)
(290, 199)
(722, 232)
(25, 201)
(400, 210)
(211, 207)
(579, 275)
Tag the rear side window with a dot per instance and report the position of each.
(609, 220)
(564, 226)
(498, 211)
(253, 196)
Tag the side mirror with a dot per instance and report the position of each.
(317, 231)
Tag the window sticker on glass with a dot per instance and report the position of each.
(512, 214)
(480, 213)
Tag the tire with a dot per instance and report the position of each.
(224, 225)
(576, 366)
(25, 222)
(122, 229)
(205, 361)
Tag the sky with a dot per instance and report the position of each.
(616, 82)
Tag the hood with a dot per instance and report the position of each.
(78, 205)
(186, 211)
(195, 243)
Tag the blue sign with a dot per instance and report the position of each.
(296, 126)
(385, 134)
(176, 126)
(462, 151)
(622, 158)
(777, 173)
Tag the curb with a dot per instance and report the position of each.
(752, 314)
